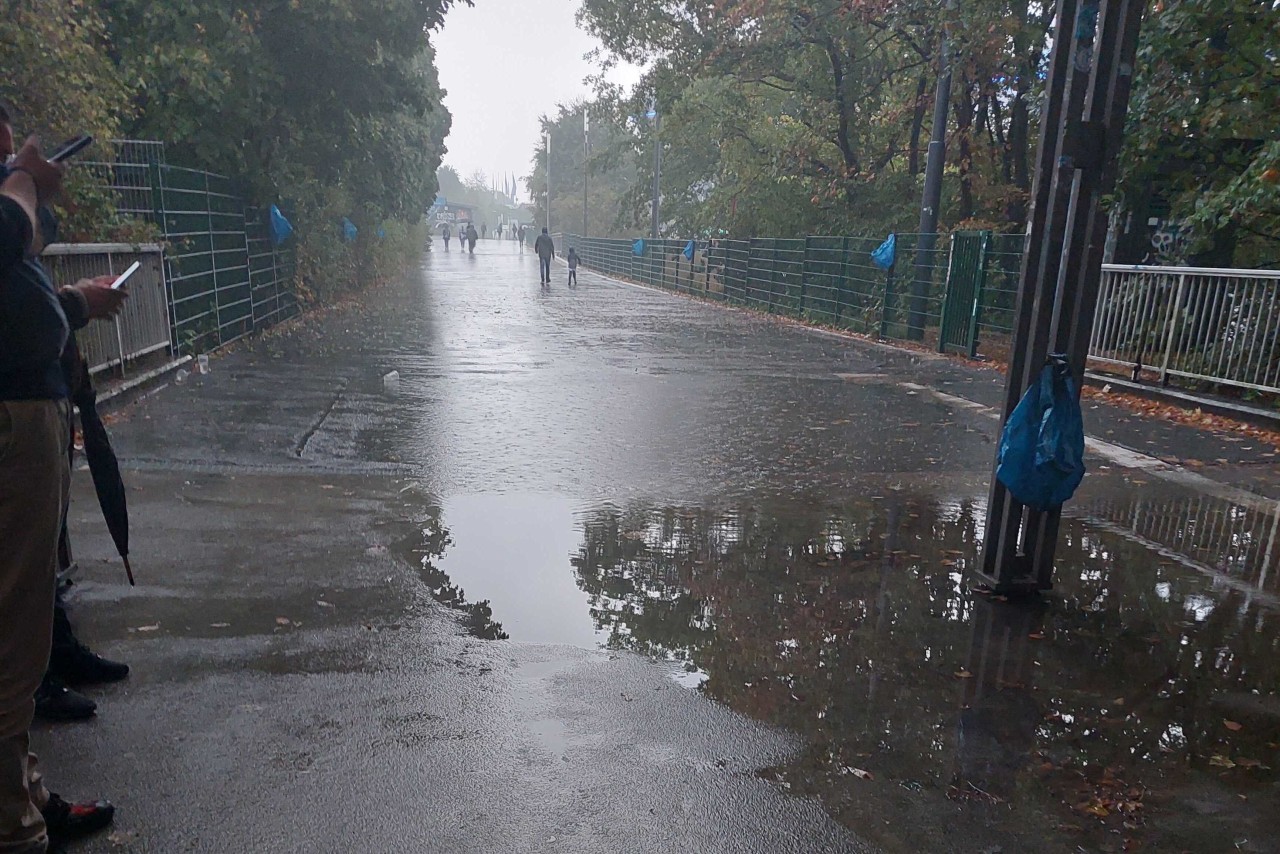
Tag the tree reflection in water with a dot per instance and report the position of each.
(1136, 706)
(477, 616)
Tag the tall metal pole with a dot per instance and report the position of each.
(657, 168)
(1091, 71)
(586, 151)
(548, 181)
(927, 232)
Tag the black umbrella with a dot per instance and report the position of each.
(103, 465)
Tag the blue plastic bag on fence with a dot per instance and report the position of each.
(637, 248)
(281, 228)
(1042, 447)
(883, 256)
(689, 249)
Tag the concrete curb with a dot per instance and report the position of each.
(1216, 406)
(135, 387)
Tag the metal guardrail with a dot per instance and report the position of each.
(226, 277)
(142, 327)
(1192, 324)
(1197, 323)
(828, 280)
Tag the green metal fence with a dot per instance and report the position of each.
(225, 276)
(831, 280)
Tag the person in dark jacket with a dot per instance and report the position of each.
(35, 322)
(472, 236)
(446, 233)
(546, 250)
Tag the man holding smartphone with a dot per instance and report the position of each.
(35, 322)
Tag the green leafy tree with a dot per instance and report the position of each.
(1203, 126)
(607, 166)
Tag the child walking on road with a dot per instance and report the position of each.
(572, 260)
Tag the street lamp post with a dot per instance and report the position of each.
(657, 164)
(548, 137)
(586, 151)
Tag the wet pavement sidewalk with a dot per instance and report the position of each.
(607, 569)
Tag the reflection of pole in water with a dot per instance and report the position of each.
(998, 714)
(893, 519)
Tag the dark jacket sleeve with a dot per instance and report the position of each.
(75, 307)
(15, 234)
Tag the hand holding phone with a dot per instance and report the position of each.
(101, 299)
(46, 174)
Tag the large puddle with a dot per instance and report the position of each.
(1134, 708)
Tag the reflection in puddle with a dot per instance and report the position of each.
(436, 540)
(514, 549)
(1136, 707)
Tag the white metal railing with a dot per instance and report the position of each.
(142, 327)
(1198, 323)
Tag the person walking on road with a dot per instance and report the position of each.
(499, 231)
(572, 260)
(471, 236)
(446, 233)
(34, 475)
(521, 238)
(546, 250)
(484, 230)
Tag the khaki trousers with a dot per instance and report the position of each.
(34, 481)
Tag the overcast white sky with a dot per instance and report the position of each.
(502, 64)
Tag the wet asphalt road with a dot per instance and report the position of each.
(653, 496)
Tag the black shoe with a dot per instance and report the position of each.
(79, 665)
(66, 822)
(57, 703)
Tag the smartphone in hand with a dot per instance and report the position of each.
(124, 277)
(70, 147)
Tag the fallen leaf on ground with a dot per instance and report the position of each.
(1221, 761)
(1232, 725)
(324, 604)
(283, 621)
(1036, 635)
(150, 628)
(964, 674)
(218, 625)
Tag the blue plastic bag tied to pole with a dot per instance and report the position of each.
(281, 228)
(1042, 446)
(689, 249)
(637, 248)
